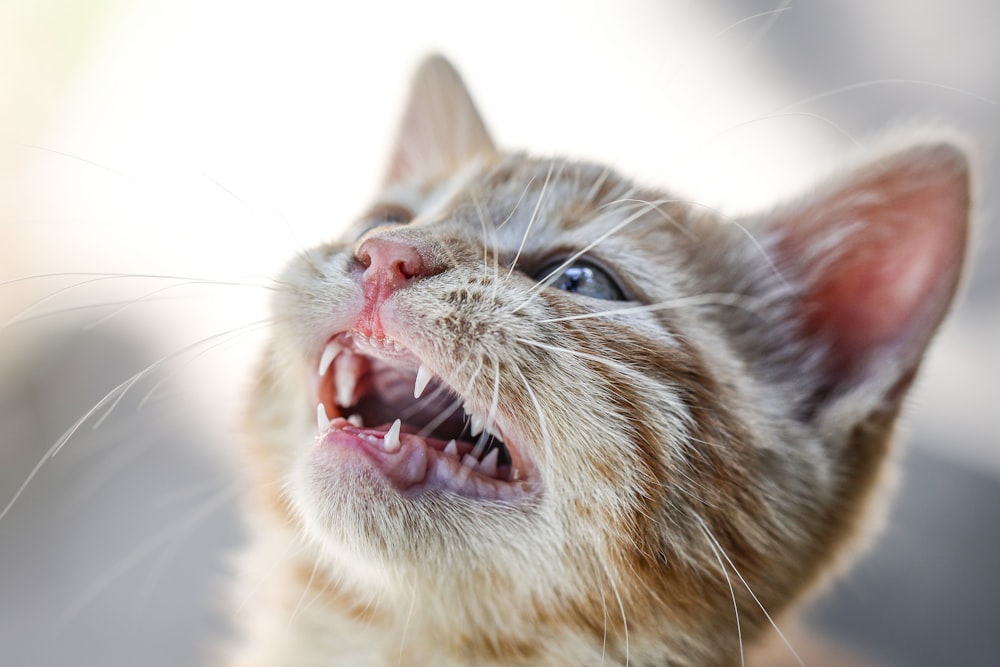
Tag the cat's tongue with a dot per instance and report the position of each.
(414, 464)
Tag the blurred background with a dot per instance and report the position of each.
(158, 160)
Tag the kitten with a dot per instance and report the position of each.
(567, 420)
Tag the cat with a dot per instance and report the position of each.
(526, 412)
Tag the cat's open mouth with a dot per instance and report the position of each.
(377, 397)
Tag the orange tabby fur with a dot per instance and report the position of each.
(683, 467)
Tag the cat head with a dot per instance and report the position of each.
(638, 424)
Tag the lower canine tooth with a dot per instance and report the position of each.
(452, 448)
(322, 420)
(488, 466)
(391, 441)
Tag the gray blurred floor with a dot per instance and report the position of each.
(115, 554)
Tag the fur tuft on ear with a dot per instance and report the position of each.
(877, 257)
(441, 128)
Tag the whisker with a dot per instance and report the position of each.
(882, 82)
(113, 397)
(147, 548)
(732, 594)
(774, 13)
(93, 278)
(302, 597)
(406, 626)
(546, 440)
(621, 606)
(755, 305)
(583, 355)
(531, 221)
(556, 272)
(711, 538)
(517, 204)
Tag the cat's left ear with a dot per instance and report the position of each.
(874, 259)
(441, 128)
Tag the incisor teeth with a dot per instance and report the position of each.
(356, 420)
(470, 461)
(391, 441)
(329, 352)
(488, 466)
(322, 420)
(423, 377)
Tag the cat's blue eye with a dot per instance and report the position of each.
(583, 278)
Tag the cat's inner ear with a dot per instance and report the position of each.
(876, 259)
(440, 129)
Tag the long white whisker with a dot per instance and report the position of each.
(748, 303)
(406, 626)
(547, 280)
(788, 645)
(531, 221)
(732, 594)
(542, 426)
(302, 597)
(621, 607)
(149, 547)
(112, 397)
(583, 355)
(881, 82)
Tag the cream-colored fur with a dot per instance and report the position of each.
(686, 459)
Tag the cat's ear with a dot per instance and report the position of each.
(441, 128)
(875, 259)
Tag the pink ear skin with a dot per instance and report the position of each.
(880, 256)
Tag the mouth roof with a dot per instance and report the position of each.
(376, 396)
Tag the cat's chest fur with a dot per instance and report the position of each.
(527, 413)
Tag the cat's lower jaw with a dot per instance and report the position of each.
(414, 464)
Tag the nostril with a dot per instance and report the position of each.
(393, 261)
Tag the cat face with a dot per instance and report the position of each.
(564, 406)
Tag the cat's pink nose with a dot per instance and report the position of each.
(391, 263)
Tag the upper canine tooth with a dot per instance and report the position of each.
(391, 441)
(423, 377)
(345, 378)
(492, 429)
(322, 420)
(476, 425)
(329, 352)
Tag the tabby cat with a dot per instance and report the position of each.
(527, 412)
